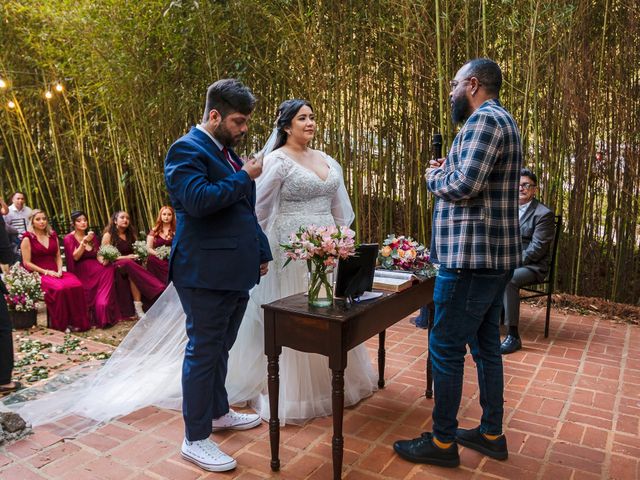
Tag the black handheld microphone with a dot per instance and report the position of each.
(436, 145)
(436, 150)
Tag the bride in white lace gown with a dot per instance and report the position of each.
(298, 186)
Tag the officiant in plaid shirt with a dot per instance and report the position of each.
(477, 240)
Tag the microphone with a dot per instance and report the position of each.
(436, 146)
(436, 150)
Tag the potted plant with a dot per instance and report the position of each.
(24, 294)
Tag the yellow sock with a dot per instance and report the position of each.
(439, 444)
(491, 437)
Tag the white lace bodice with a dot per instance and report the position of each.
(305, 198)
(291, 196)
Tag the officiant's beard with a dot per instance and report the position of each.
(460, 109)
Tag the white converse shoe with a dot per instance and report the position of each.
(206, 454)
(236, 421)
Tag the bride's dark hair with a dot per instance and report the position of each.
(286, 111)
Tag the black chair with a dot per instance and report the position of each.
(545, 288)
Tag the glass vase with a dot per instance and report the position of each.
(320, 285)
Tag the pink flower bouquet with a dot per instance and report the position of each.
(321, 247)
(405, 253)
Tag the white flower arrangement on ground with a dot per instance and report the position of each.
(24, 288)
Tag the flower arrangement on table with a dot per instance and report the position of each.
(321, 247)
(141, 250)
(163, 252)
(24, 289)
(405, 253)
(109, 253)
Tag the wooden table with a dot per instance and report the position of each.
(332, 331)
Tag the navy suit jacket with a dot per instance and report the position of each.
(218, 244)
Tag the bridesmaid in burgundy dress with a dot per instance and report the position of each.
(161, 235)
(63, 292)
(98, 280)
(133, 281)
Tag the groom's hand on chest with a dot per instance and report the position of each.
(253, 168)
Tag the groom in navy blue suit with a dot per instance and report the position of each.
(219, 253)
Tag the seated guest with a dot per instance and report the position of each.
(63, 292)
(537, 229)
(141, 284)
(161, 235)
(19, 214)
(98, 280)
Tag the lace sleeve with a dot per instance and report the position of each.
(268, 189)
(341, 208)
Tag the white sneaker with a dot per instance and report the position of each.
(236, 421)
(206, 454)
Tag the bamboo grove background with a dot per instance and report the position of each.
(377, 72)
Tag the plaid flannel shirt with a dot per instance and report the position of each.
(476, 216)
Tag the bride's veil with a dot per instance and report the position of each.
(144, 370)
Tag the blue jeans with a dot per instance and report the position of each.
(468, 307)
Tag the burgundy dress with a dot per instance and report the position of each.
(98, 281)
(159, 268)
(150, 287)
(64, 296)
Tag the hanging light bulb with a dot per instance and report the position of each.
(11, 104)
(48, 95)
(3, 84)
(59, 87)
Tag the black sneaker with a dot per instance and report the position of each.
(477, 441)
(423, 450)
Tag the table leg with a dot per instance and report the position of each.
(381, 358)
(337, 401)
(274, 421)
(429, 392)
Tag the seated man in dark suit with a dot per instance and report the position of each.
(537, 229)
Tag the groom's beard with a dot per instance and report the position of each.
(224, 136)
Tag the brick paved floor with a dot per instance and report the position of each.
(572, 412)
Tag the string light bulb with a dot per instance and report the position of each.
(48, 95)
(11, 104)
(3, 84)
(59, 87)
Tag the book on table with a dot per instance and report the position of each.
(393, 280)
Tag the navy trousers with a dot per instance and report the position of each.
(6, 343)
(213, 319)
